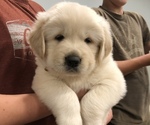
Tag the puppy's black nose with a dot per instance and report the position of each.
(72, 61)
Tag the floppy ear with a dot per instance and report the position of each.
(106, 45)
(36, 36)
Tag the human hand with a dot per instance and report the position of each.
(81, 93)
(109, 116)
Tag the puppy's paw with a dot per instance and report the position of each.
(72, 120)
(94, 123)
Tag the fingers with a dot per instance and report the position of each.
(109, 117)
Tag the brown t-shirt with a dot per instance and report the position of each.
(17, 65)
(130, 32)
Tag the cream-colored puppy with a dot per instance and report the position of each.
(73, 46)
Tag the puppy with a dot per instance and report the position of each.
(73, 47)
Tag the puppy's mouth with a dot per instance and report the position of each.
(72, 63)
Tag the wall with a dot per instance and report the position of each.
(140, 6)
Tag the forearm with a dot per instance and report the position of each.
(131, 65)
(21, 109)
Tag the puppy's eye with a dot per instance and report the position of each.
(88, 40)
(59, 37)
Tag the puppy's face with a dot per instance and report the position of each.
(70, 39)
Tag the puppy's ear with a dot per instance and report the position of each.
(106, 45)
(36, 36)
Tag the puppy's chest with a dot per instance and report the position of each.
(83, 83)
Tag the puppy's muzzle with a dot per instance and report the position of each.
(72, 63)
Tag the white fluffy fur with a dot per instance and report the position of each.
(55, 85)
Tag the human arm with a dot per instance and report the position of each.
(21, 109)
(131, 65)
(25, 108)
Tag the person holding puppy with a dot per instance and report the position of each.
(18, 104)
(131, 41)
